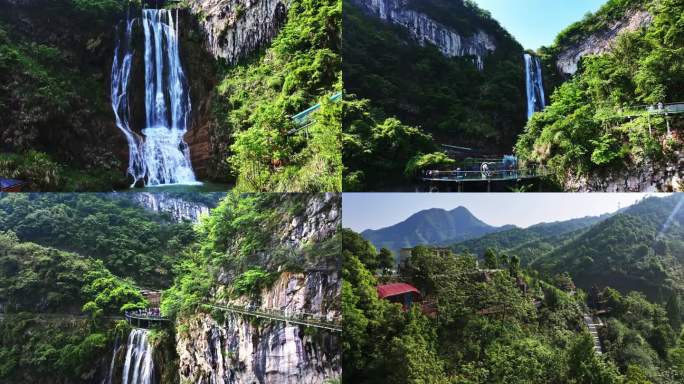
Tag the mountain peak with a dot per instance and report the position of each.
(435, 226)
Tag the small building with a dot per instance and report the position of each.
(401, 293)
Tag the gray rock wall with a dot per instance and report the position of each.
(242, 349)
(234, 29)
(602, 41)
(426, 30)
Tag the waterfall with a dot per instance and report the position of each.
(121, 74)
(160, 156)
(138, 367)
(536, 100)
(108, 379)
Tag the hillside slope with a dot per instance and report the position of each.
(445, 68)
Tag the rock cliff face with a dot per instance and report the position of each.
(601, 41)
(668, 177)
(178, 208)
(426, 30)
(240, 349)
(236, 28)
(230, 348)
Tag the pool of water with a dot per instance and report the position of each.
(199, 187)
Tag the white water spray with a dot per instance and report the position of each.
(138, 367)
(161, 156)
(536, 100)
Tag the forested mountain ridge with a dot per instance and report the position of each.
(635, 249)
(430, 227)
(130, 240)
(528, 243)
(597, 133)
(463, 86)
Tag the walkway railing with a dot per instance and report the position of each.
(300, 318)
(660, 109)
(145, 318)
(486, 175)
(303, 119)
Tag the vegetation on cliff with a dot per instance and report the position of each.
(240, 247)
(302, 67)
(419, 98)
(594, 124)
(54, 103)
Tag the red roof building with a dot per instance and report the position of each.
(402, 293)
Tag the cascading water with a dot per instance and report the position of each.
(110, 372)
(160, 156)
(138, 366)
(536, 100)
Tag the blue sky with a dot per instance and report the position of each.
(362, 211)
(537, 22)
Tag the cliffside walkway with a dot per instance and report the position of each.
(489, 172)
(660, 109)
(300, 318)
(304, 119)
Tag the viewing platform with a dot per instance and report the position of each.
(146, 318)
(483, 171)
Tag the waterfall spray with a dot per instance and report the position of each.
(138, 367)
(536, 101)
(160, 156)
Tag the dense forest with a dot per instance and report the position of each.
(67, 263)
(597, 122)
(72, 264)
(406, 98)
(493, 320)
(638, 248)
(59, 130)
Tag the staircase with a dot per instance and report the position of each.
(589, 321)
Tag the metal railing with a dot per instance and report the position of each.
(486, 175)
(300, 318)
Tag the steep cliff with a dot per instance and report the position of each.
(598, 133)
(242, 349)
(601, 41)
(434, 72)
(180, 207)
(289, 243)
(426, 30)
(234, 29)
(55, 118)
